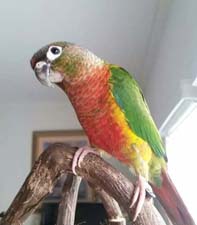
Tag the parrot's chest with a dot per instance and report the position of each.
(104, 132)
(100, 116)
(104, 125)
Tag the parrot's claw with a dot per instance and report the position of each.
(79, 156)
(142, 188)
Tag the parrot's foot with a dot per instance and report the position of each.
(79, 156)
(142, 189)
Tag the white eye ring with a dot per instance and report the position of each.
(54, 52)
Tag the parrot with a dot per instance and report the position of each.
(114, 114)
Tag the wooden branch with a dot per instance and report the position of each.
(112, 208)
(67, 206)
(55, 161)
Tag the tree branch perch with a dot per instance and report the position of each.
(67, 206)
(57, 160)
(112, 208)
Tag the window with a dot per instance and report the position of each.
(181, 146)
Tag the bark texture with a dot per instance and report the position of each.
(57, 160)
(67, 206)
(115, 216)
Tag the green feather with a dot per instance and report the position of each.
(129, 97)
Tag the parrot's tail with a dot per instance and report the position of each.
(172, 202)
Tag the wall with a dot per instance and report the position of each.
(17, 123)
(174, 59)
(117, 31)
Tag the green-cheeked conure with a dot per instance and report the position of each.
(114, 114)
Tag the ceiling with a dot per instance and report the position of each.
(118, 31)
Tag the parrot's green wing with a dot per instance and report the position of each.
(129, 97)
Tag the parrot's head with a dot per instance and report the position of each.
(63, 62)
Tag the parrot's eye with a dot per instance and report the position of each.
(54, 52)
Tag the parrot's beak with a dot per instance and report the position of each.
(46, 75)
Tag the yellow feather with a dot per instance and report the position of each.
(135, 148)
